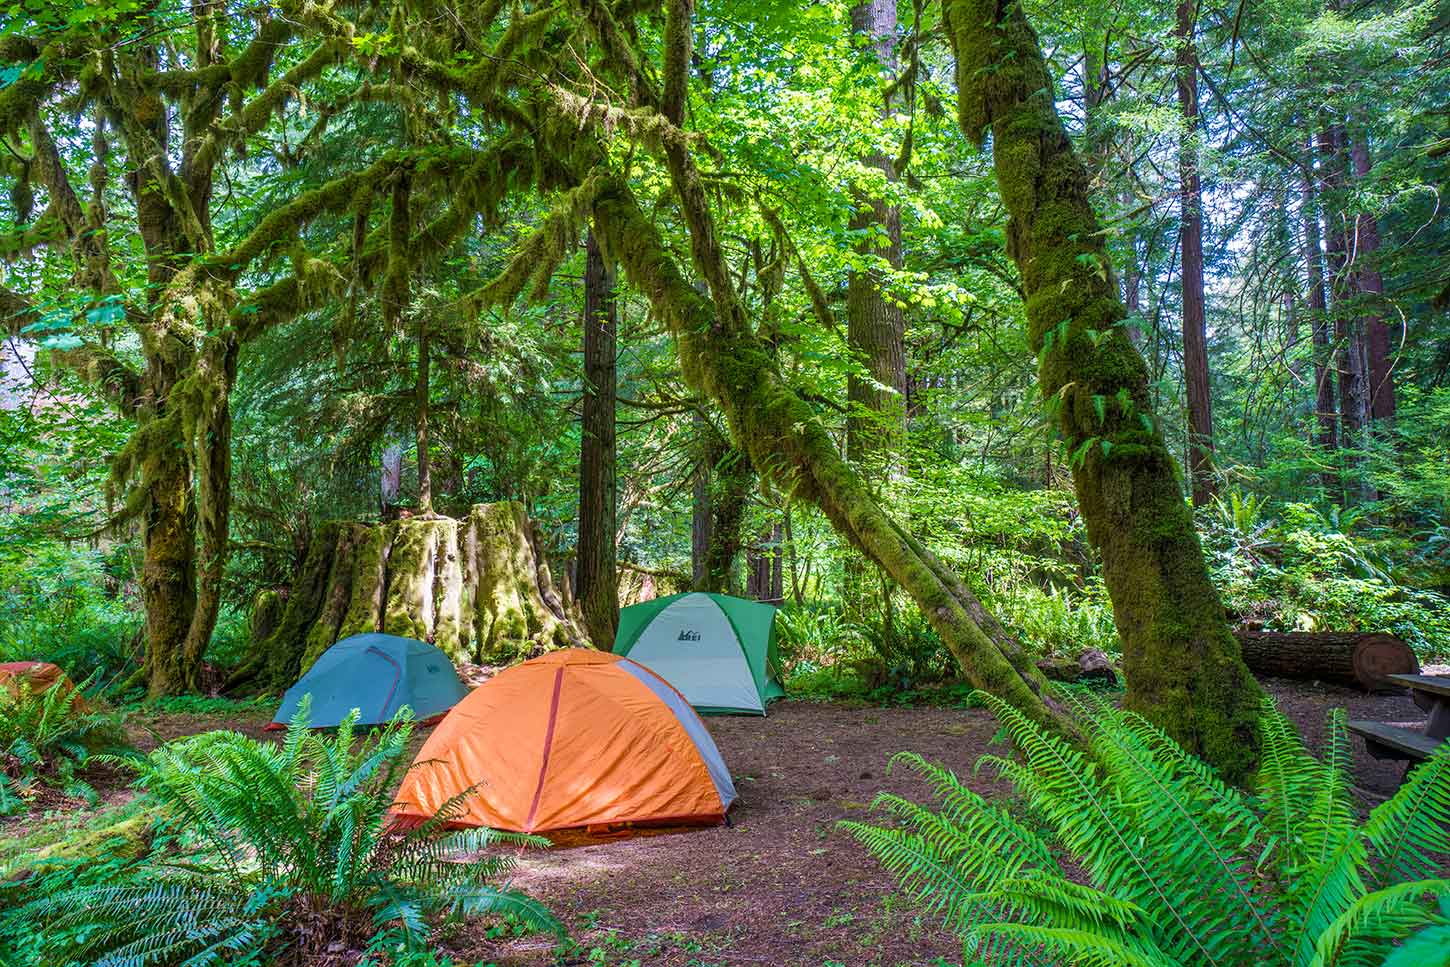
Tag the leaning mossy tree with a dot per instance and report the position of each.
(1183, 666)
(478, 587)
(521, 81)
(1182, 662)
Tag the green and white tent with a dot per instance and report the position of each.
(718, 651)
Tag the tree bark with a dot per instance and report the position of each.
(875, 324)
(1325, 413)
(707, 453)
(1350, 659)
(1349, 340)
(1183, 665)
(421, 392)
(1379, 362)
(1190, 236)
(730, 480)
(596, 581)
(478, 588)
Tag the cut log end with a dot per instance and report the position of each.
(1354, 660)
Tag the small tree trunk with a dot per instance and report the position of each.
(425, 472)
(390, 481)
(730, 481)
(875, 325)
(1353, 387)
(168, 563)
(595, 580)
(1195, 337)
(701, 515)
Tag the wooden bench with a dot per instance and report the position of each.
(1385, 741)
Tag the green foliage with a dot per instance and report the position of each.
(282, 848)
(46, 737)
(1136, 853)
(1293, 567)
(1059, 621)
(67, 605)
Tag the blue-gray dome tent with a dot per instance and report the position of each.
(376, 674)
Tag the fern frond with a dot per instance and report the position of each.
(1402, 908)
(1412, 828)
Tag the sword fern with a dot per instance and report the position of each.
(283, 848)
(1147, 858)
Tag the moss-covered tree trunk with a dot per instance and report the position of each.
(724, 358)
(479, 588)
(1183, 665)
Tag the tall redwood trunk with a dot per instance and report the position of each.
(1195, 338)
(1371, 288)
(1348, 337)
(597, 581)
(1325, 414)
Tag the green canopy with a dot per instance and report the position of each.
(718, 651)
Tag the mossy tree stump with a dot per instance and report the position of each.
(478, 587)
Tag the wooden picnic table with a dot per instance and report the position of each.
(1384, 741)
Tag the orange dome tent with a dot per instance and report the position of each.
(576, 738)
(39, 675)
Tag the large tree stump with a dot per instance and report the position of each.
(479, 588)
(1343, 658)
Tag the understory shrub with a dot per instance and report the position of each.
(1136, 855)
(1058, 621)
(70, 606)
(280, 854)
(46, 737)
(1295, 568)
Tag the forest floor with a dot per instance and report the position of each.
(782, 885)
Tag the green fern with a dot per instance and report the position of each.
(1179, 868)
(46, 737)
(284, 847)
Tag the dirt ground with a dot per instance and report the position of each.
(782, 885)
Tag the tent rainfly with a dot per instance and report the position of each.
(376, 674)
(572, 739)
(719, 651)
(40, 676)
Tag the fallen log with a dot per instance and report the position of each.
(1352, 659)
